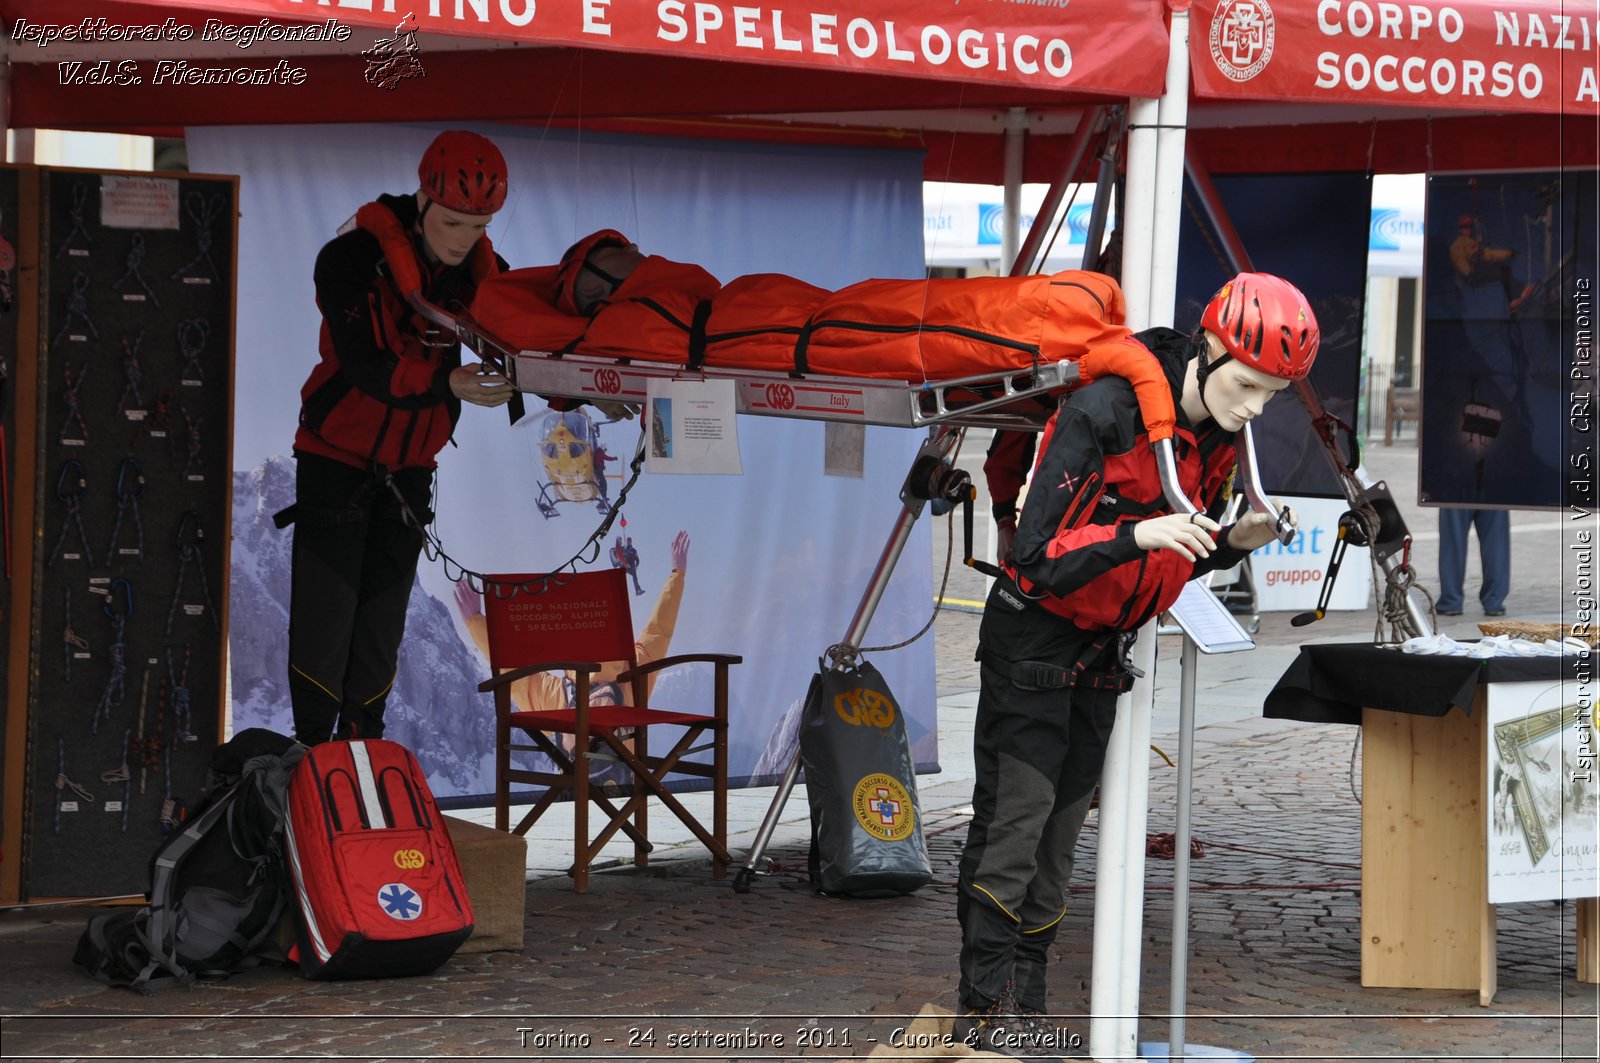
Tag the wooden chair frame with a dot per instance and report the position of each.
(599, 725)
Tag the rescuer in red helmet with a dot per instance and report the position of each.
(374, 414)
(1097, 553)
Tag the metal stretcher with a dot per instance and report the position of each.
(1004, 400)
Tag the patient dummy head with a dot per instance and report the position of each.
(592, 269)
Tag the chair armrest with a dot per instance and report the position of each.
(682, 658)
(530, 669)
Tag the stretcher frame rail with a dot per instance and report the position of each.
(1003, 399)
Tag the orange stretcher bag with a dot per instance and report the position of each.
(916, 331)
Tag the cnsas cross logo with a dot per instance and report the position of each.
(883, 807)
(1242, 38)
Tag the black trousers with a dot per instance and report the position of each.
(354, 561)
(1037, 752)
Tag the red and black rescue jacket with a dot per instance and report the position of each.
(1095, 478)
(381, 397)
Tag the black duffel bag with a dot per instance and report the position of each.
(866, 826)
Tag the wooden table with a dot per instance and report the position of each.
(1426, 920)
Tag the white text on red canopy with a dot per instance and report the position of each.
(1536, 56)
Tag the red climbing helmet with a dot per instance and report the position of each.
(1265, 323)
(464, 172)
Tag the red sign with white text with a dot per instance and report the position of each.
(1114, 47)
(1504, 55)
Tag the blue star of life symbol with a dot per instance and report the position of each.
(399, 901)
(885, 806)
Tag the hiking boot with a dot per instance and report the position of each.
(1049, 1037)
(997, 1028)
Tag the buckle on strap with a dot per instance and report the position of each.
(1030, 675)
(1121, 682)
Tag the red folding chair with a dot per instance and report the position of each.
(578, 625)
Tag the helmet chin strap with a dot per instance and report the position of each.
(1202, 370)
(426, 250)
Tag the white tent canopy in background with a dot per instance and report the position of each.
(779, 556)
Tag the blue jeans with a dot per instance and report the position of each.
(1494, 555)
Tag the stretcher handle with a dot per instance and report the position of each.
(493, 351)
(1250, 483)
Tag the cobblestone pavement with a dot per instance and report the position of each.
(1274, 969)
(669, 964)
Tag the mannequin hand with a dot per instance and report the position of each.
(1256, 529)
(480, 386)
(1005, 534)
(615, 411)
(1179, 532)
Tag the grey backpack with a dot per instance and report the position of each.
(217, 887)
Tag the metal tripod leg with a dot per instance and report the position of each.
(941, 442)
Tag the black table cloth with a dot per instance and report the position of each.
(1333, 682)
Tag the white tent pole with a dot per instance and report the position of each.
(1107, 1038)
(1174, 116)
(1138, 219)
(1011, 213)
(1173, 113)
(1155, 175)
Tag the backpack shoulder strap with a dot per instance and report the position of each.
(159, 933)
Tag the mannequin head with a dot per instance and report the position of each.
(447, 235)
(1234, 394)
(1259, 336)
(462, 181)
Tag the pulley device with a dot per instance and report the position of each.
(934, 479)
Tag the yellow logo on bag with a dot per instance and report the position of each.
(864, 707)
(409, 858)
(883, 808)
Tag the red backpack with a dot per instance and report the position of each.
(377, 888)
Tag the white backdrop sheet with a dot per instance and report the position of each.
(779, 556)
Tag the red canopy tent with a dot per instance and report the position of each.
(1388, 87)
(1340, 84)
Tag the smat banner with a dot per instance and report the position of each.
(1515, 55)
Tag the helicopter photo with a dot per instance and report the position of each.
(574, 462)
